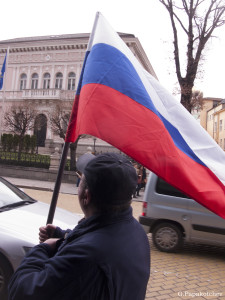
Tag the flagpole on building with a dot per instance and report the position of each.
(4, 83)
(6, 67)
(67, 144)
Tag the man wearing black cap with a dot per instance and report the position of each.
(106, 256)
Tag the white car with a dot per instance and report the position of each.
(20, 219)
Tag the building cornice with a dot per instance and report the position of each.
(77, 36)
(219, 111)
(82, 46)
(46, 38)
(70, 41)
(212, 99)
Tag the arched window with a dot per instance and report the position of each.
(34, 81)
(23, 81)
(58, 81)
(71, 81)
(46, 82)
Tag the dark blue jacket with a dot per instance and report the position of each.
(104, 257)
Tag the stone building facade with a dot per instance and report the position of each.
(44, 71)
(212, 118)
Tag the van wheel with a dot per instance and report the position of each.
(167, 237)
(6, 272)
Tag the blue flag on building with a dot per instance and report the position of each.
(2, 72)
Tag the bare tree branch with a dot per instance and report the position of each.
(19, 119)
(202, 19)
(59, 119)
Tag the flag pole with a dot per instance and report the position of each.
(3, 96)
(66, 144)
(57, 184)
(91, 38)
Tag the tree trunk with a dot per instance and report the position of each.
(186, 101)
(20, 147)
(186, 95)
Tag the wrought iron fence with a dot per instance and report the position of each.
(26, 159)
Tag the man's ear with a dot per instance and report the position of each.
(87, 197)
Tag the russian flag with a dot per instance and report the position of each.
(119, 102)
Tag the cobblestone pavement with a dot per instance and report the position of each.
(197, 272)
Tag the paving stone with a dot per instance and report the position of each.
(194, 270)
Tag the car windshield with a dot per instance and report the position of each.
(10, 195)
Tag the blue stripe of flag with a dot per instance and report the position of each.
(2, 72)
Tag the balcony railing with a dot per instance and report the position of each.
(67, 95)
(38, 94)
(41, 94)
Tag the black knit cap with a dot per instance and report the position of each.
(110, 177)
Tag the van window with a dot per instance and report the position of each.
(164, 188)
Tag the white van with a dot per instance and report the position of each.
(173, 217)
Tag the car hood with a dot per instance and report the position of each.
(24, 222)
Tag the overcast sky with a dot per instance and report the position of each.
(146, 19)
